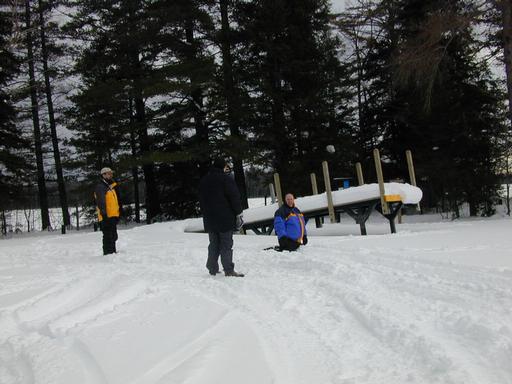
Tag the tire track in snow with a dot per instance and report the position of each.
(403, 301)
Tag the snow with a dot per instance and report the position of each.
(431, 304)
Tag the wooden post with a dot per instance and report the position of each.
(412, 173)
(314, 187)
(410, 166)
(380, 179)
(327, 181)
(272, 194)
(359, 171)
(279, 192)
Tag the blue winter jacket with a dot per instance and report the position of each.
(290, 222)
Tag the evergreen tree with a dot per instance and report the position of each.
(186, 135)
(12, 163)
(429, 93)
(120, 72)
(293, 75)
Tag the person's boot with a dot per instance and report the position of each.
(233, 274)
(213, 273)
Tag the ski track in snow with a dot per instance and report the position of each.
(343, 310)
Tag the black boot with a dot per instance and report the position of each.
(233, 274)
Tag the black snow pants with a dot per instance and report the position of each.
(109, 229)
(221, 244)
(287, 244)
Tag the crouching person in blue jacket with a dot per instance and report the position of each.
(290, 226)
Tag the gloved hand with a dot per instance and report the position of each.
(239, 222)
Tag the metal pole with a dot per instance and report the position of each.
(380, 179)
(359, 171)
(279, 192)
(327, 181)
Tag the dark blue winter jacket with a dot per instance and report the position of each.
(290, 222)
(219, 200)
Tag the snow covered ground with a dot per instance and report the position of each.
(431, 304)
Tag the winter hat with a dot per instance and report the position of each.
(219, 163)
(105, 170)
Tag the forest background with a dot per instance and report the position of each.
(155, 89)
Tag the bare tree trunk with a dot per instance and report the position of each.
(27, 217)
(135, 170)
(51, 117)
(508, 184)
(231, 99)
(201, 136)
(38, 147)
(4, 224)
(152, 194)
(281, 149)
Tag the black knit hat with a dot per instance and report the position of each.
(219, 163)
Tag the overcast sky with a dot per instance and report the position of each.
(338, 5)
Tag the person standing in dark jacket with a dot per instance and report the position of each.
(221, 207)
(290, 225)
(108, 208)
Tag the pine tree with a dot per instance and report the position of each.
(12, 163)
(118, 69)
(430, 94)
(295, 77)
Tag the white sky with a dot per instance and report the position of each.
(338, 5)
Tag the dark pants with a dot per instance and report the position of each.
(221, 243)
(287, 244)
(109, 229)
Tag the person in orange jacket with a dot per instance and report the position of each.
(108, 208)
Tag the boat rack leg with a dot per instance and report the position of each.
(361, 214)
(394, 208)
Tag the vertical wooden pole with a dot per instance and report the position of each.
(327, 181)
(279, 192)
(272, 194)
(359, 171)
(314, 187)
(380, 179)
(410, 166)
(412, 173)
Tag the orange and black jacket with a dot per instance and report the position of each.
(107, 200)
